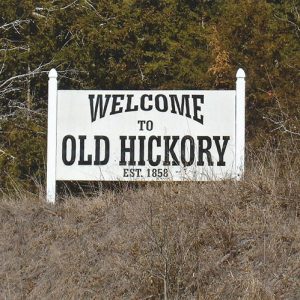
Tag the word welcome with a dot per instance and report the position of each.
(111, 104)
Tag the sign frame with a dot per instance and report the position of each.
(52, 131)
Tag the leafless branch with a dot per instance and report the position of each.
(141, 72)
(38, 10)
(25, 75)
(289, 21)
(281, 125)
(15, 24)
(282, 118)
(14, 48)
(3, 153)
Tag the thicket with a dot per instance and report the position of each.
(213, 240)
(130, 44)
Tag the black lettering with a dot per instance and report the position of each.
(221, 152)
(170, 150)
(143, 107)
(130, 150)
(164, 102)
(149, 125)
(125, 172)
(71, 161)
(105, 160)
(115, 104)
(150, 150)
(141, 123)
(129, 103)
(203, 150)
(141, 161)
(93, 108)
(197, 108)
(99, 104)
(183, 150)
(176, 108)
(81, 161)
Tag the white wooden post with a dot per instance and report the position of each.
(240, 124)
(51, 143)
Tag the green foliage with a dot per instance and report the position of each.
(130, 44)
(262, 38)
(23, 157)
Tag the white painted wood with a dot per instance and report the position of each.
(240, 124)
(51, 143)
(74, 121)
(74, 125)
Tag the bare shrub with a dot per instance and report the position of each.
(216, 240)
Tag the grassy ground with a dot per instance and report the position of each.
(218, 240)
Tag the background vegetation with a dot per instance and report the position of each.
(213, 240)
(130, 44)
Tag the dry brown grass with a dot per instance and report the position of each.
(218, 240)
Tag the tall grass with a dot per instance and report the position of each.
(216, 240)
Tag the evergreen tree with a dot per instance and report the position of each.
(131, 44)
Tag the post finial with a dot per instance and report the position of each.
(52, 73)
(240, 73)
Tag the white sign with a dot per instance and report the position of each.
(145, 135)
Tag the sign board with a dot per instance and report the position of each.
(144, 135)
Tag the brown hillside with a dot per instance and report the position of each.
(223, 240)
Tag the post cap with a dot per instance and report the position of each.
(52, 73)
(240, 73)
